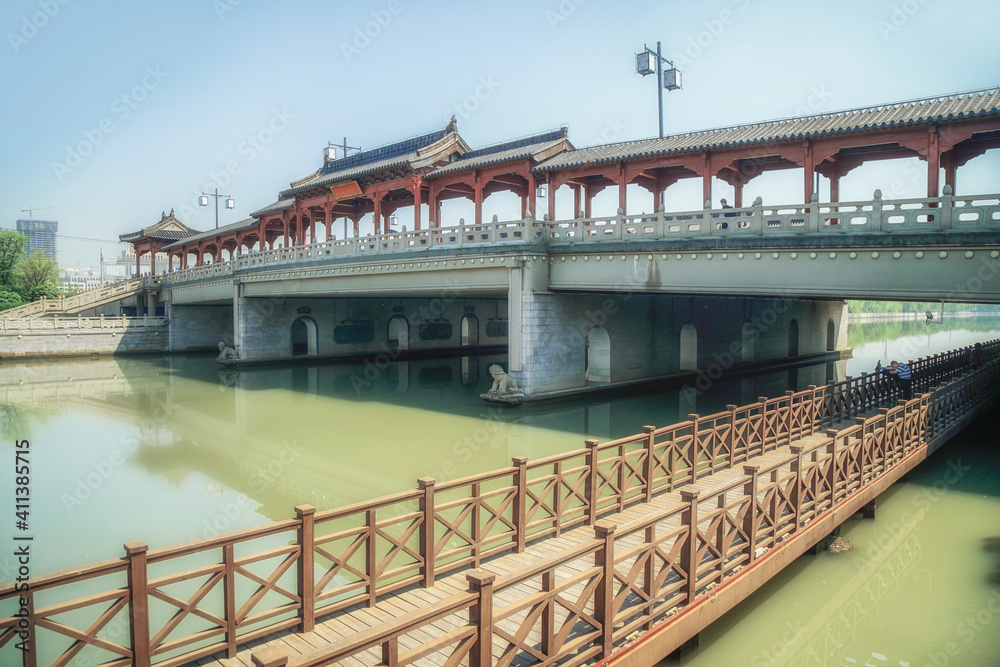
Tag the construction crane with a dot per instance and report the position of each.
(31, 210)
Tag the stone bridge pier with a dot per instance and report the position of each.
(386, 328)
(566, 341)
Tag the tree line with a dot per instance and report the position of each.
(24, 278)
(917, 307)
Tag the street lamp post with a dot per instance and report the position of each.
(669, 79)
(203, 201)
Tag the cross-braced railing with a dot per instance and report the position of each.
(175, 605)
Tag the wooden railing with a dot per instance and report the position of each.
(947, 213)
(217, 594)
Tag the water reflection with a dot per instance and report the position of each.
(193, 447)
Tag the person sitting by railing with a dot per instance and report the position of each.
(902, 375)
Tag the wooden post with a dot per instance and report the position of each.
(796, 451)
(520, 501)
(731, 435)
(604, 595)
(29, 656)
(590, 493)
(390, 652)
(138, 602)
(695, 445)
(751, 519)
(648, 576)
(832, 474)
(371, 556)
(790, 416)
(229, 593)
(426, 484)
(648, 467)
(306, 576)
(481, 616)
(689, 555)
(549, 613)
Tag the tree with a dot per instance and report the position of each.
(9, 299)
(11, 251)
(36, 277)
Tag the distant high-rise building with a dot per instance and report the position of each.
(41, 235)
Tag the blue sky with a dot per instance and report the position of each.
(114, 111)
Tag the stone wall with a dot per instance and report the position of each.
(199, 327)
(365, 326)
(81, 343)
(565, 336)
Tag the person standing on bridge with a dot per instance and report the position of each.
(902, 375)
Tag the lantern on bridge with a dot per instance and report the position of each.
(672, 79)
(645, 63)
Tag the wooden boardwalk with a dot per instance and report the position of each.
(359, 620)
(617, 552)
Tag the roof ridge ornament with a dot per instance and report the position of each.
(452, 125)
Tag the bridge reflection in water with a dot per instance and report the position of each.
(684, 556)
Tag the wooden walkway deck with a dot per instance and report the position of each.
(358, 620)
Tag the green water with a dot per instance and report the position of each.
(170, 450)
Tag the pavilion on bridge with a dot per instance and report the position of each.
(945, 132)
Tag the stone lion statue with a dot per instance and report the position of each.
(503, 383)
(227, 355)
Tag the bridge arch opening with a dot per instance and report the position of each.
(398, 334)
(597, 356)
(831, 336)
(688, 348)
(305, 337)
(470, 330)
(793, 338)
(749, 346)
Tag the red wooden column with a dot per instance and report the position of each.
(377, 215)
(529, 201)
(284, 220)
(552, 189)
(706, 179)
(622, 184)
(137, 256)
(152, 260)
(738, 191)
(933, 161)
(417, 201)
(950, 169)
(328, 213)
(170, 262)
(577, 199)
(262, 233)
(835, 184)
(809, 169)
(478, 197)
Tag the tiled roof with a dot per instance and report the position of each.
(158, 235)
(280, 205)
(366, 162)
(934, 109)
(249, 223)
(503, 152)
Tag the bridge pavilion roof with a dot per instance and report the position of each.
(538, 147)
(275, 207)
(973, 104)
(397, 158)
(167, 230)
(231, 228)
